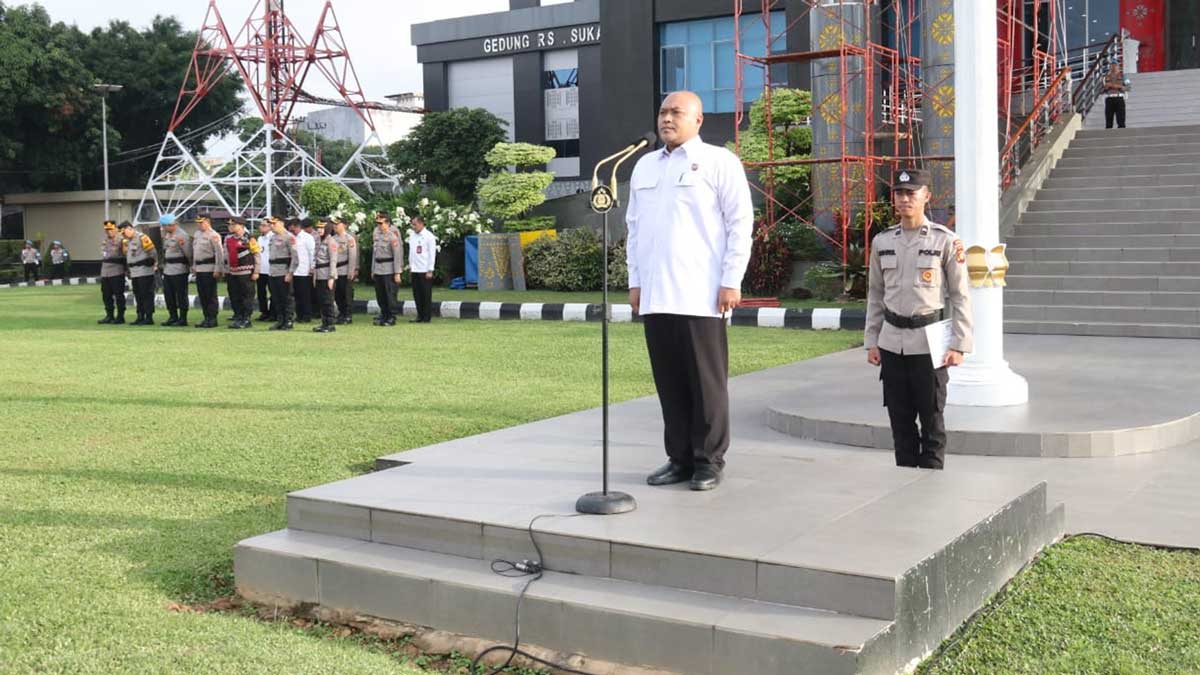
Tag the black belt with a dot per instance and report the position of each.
(321, 267)
(115, 261)
(206, 261)
(177, 260)
(914, 321)
(142, 263)
(280, 261)
(384, 259)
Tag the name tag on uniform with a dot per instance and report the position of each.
(926, 251)
(419, 249)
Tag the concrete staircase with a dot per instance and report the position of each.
(1164, 99)
(1111, 244)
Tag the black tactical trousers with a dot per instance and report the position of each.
(265, 306)
(143, 295)
(112, 289)
(30, 272)
(206, 288)
(1114, 108)
(302, 290)
(175, 293)
(385, 295)
(343, 294)
(241, 295)
(281, 300)
(914, 390)
(689, 357)
(325, 302)
(58, 271)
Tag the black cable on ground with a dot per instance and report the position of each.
(535, 570)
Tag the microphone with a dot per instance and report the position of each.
(620, 156)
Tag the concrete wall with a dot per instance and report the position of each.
(344, 124)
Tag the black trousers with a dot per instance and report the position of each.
(241, 295)
(206, 288)
(325, 302)
(422, 290)
(281, 300)
(302, 292)
(689, 356)
(343, 294)
(30, 272)
(175, 293)
(914, 390)
(1114, 107)
(385, 295)
(143, 295)
(265, 306)
(112, 289)
(58, 271)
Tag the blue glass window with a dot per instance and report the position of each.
(699, 56)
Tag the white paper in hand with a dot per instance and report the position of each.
(940, 336)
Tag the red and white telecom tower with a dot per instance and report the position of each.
(275, 62)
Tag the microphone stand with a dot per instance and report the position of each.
(604, 198)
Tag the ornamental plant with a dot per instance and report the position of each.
(507, 195)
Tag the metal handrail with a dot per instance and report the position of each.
(1089, 89)
(1043, 115)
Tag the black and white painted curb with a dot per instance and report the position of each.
(762, 317)
(73, 281)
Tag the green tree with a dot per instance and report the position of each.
(321, 197)
(448, 149)
(509, 195)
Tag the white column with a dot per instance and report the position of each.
(269, 173)
(985, 378)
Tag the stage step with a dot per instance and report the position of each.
(784, 569)
(1133, 253)
(1054, 282)
(621, 621)
(1106, 298)
(1101, 329)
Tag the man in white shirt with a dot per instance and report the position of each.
(266, 310)
(302, 282)
(689, 224)
(422, 253)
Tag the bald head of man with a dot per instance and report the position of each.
(679, 118)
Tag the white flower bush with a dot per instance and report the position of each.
(449, 224)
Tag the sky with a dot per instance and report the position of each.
(377, 32)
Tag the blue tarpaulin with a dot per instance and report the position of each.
(471, 254)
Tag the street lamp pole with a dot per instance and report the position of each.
(104, 90)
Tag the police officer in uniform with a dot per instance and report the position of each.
(266, 309)
(31, 258)
(242, 253)
(58, 260)
(283, 259)
(913, 267)
(387, 261)
(141, 262)
(325, 272)
(177, 262)
(208, 259)
(112, 275)
(347, 264)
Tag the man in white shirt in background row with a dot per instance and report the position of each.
(422, 253)
(266, 311)
(302, 282)
(690, 222)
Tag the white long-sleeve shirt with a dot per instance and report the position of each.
(264, 258)
(690, 221)
(306, 248)
(422, 251)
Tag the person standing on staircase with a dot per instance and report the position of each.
(1114, 97)
(912, 268)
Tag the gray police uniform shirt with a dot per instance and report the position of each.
(323, 267)
(282, 252)
(347, 254)
(208, 255)
(176, 248)
(58, 256)
(139, 255)
(387, 257)
(30, 256)
(911, 276)
(112, 260)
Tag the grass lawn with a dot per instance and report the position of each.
(1087, 606)
(132, 459)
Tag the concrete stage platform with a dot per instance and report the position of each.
(811, 558)
(1089, 397)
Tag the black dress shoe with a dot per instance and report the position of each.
(706, 477)
(325, 328)
(170, 322)
(669, 474)
(416, 321)
(390, 322)
(105, 320)
(118, 320)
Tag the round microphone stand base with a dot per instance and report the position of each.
(605, 503)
